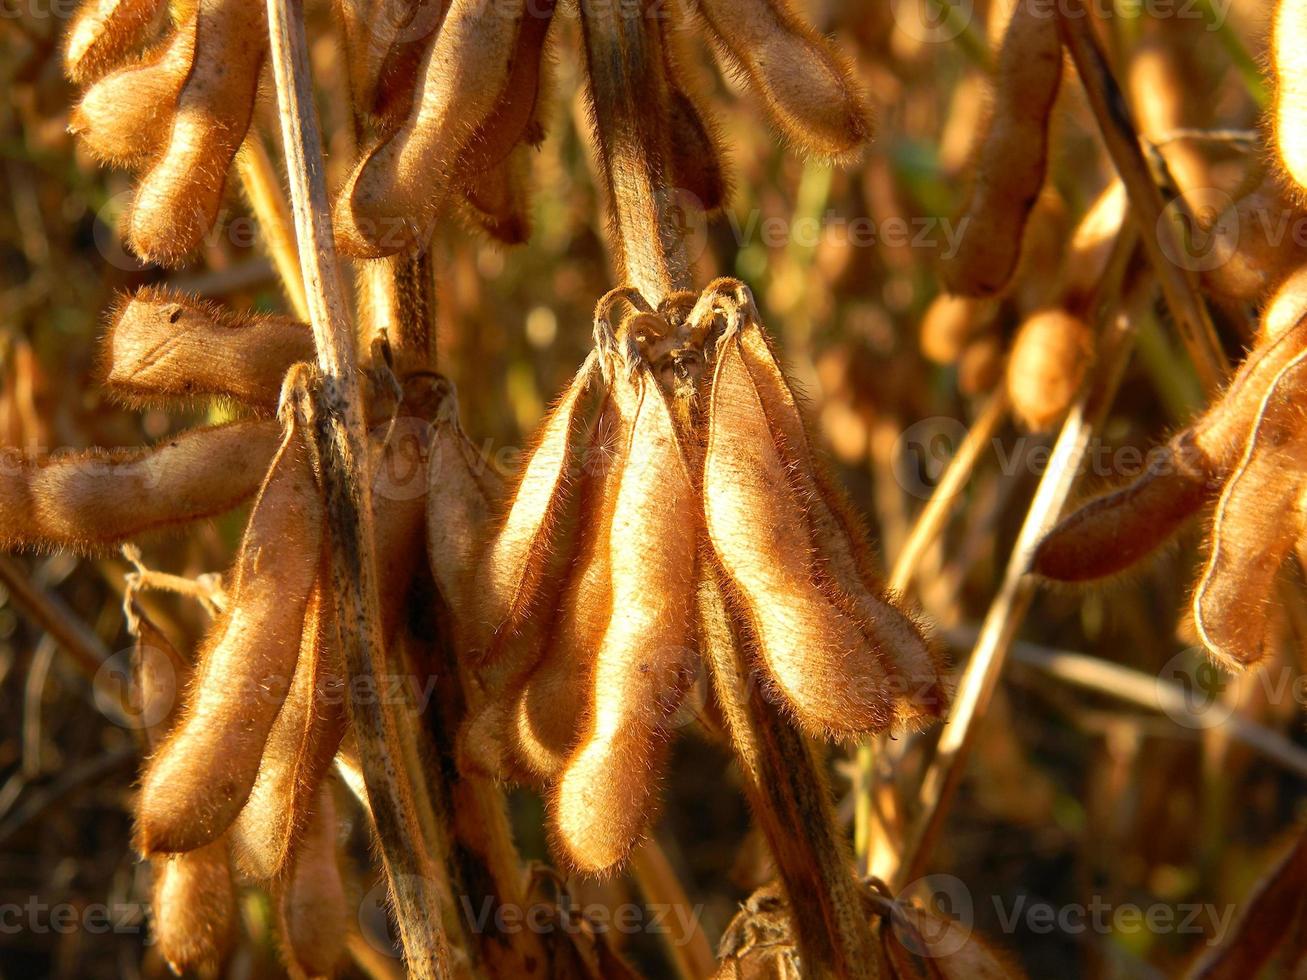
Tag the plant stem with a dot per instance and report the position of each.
(628, 92)
(263, 190)
(401, 296)
(790, 801)
(1157, 229)
(340, 434)
(925, 529)
(1017, 589)
(692, 956)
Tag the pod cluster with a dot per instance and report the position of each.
(678, 450)
(1243, 461)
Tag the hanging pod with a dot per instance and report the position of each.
(199, 779)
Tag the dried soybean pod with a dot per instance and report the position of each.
(370, 29)
(695, 154)
(1049, 360)
(805, 83)
(1221, 432)
(177, 201)
(197, 782)
(158, 675)
(104, 33)
(1107, 535)
(194, 903)
(89, 501)
(388, 203)
(1091, 245)
(1013, 157)
(757, 526)
(551, 703)
(1253, 242)
(608, 789)
(462, 491)
(514, 563)
(895, 643)
(498, 200)
(165, 345)
(950, 322)
(124, 118)
(1289, 114)
(981, 366)
(1257, 522)
(298, 754)
(1287, 305)
(313, 911)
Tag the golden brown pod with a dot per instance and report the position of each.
(178, 199)
(88, 501)
(1253, 244)
(498, 199)
(514, 563)
(806, 84)
(1286, 306)
(1049, 360)
(371, 28)
(950, 322)
(104, 33)
(465, 93)
(550, 705)
(301, 745)
(313, 910)
(1289, 68)
(644, 660)
(165, 345)
(1013, 157)
(814, 653)
(124, 118)
(194, 903)
(1257, 522)
(696, 157)
(1107, 535)
(197, 782)
(917, 689)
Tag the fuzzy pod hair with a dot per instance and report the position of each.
(644, 660)
(950, 323)
(1258, 520)
(1117, 530)
(1050, 358)
(92, 500)
(270, 829)
(313, 911)
(513, 567)
(125, 117)
(918, 692)
(105, 33)
(177, 201)
(1289, 71)
(200, 778)
(475, 95)
(162, 346)
(550, 703)
(805, 83)
(194, 903)
(1013, 156)
(813, 651)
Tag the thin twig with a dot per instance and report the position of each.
(1154, 693)
(340, 433)
(1157, 232)
(1008, 608)
(692, 956)
(925, 529)
(263, 191)
(50, 613)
